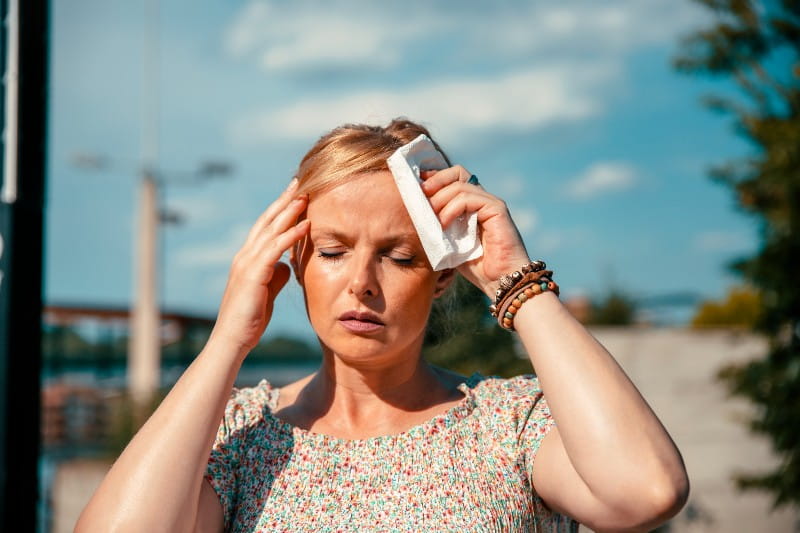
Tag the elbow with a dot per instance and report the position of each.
(659, 503)
(668, 498)
(652, 504)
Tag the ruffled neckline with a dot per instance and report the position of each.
(434, 425)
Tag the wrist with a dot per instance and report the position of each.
(489, 288)
(223, 346)
(541, 303)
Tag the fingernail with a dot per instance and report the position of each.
(293, 183)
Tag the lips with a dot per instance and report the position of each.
(360, 322)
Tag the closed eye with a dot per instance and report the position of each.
(402, 261)
(330, 255)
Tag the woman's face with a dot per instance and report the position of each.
(367, 282)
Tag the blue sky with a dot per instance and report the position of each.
(570, 111)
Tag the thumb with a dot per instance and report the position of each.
(280, 276)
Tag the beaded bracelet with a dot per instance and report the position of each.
(511, 305)
(518, 287)
(520, 281)
(508, 281)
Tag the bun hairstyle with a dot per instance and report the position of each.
(354, 149)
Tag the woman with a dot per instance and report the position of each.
(377, 439)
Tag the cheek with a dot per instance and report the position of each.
(415, 297)
(314, 283)
(322, 285)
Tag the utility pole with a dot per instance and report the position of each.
(144, 349)
(24, 34)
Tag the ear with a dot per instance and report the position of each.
(446, 277)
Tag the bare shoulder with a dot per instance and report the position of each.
(289, 393)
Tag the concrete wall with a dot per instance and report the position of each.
(675, 371)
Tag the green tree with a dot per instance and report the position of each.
(283, 349)
(616, 308)
(757, 46)
(741, 308)
(462, 336)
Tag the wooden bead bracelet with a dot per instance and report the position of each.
(517, 288)
(510, 306)
(519, 281)
(509, 281)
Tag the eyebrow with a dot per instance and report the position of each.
(339, 236)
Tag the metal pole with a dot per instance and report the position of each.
(8, 193)
(24, 35)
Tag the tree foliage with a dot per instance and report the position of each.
(757, 45)
(463, 337)
(741, 308)
(616, 308)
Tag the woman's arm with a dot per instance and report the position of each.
(608, 463)
(157, 482)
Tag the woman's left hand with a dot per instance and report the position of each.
(503, 250)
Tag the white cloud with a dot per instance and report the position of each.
(529, 65)
(529, 100)
(600, 178)
(292, 36)
(612, 26)
(300, 36)
(721, 241)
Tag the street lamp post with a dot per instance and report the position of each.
(144, 344)
(144, 348)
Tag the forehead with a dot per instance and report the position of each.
(368, 200)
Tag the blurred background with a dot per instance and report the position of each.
(672, 229)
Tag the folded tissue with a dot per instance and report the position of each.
(445, 248)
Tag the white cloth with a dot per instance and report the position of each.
(444, 248)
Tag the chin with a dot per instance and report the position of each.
(354, 350)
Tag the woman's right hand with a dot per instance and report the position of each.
(257, 275)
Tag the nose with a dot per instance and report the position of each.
(363, 276)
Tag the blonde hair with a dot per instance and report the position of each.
(354, 149)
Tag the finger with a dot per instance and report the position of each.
(275, 208)
(268, 249)
(467, 203)
(459, 171)
(288, 217)
(442, 197)
(425, 174)
(436, 182)
(282, 221)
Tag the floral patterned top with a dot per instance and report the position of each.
(467, 469)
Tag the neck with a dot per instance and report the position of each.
(362, 396)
